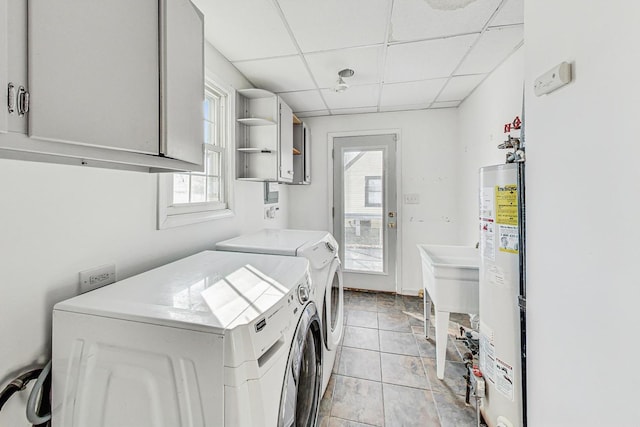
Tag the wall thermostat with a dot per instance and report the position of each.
(553, 79)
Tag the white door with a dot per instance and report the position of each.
(364, 216)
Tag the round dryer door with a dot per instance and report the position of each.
(334, 306)
(303, 377)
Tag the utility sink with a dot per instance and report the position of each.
(450, 279)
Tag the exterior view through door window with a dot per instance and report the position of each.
(363, 215)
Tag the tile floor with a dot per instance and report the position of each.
(385, 370)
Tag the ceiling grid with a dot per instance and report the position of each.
(406, 54)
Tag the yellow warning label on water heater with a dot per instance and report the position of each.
(507, 204)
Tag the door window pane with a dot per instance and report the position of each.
(363, 210)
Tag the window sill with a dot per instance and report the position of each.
(179, 220)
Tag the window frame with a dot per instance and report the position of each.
(170, 215)
(367, 192)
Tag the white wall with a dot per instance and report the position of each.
(583, 191)
(427, 167)
(56, 220)
(498, 100)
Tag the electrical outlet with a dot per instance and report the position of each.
(97, 277)
(412, 199)
(270, 211)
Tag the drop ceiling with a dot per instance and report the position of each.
(406, 54)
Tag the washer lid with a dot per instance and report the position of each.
(270, 241)
(207, 291)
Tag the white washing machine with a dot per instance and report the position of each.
(321, 249)
(215, 339)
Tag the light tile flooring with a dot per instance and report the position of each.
(385, 370)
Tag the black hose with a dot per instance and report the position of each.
(18, 384)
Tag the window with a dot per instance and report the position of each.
(186, 198)
(372, 191)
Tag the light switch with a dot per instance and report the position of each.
(412, 199)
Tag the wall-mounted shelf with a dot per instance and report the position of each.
(264, 126)
(256, 121)
(255, 93)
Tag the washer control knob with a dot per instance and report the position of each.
(330, 247)
(303, 293)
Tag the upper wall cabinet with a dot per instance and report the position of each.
(114, 83)
(264, 136)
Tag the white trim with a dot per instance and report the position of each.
(169, 216)
(398, 133)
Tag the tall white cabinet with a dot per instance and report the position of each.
(115, 83)
(264, 137)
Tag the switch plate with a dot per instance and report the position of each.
(97, 277)
(412, 199)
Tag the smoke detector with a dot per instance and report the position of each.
(341, 85)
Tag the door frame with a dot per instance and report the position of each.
(330, 140)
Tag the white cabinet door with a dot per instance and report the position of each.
(15, 32)
(182, 50)
(286, 143)
(94, 73)
(4, 69)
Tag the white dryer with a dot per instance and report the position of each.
(321, 249)
(215, 339)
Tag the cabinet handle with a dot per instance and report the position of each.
(290, 172)
(11, 98)
(23, 101)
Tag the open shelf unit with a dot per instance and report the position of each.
(264, 137)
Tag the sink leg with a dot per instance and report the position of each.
(427, 312)
(442, 328)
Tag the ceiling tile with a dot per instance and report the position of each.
(493, 47)
(366, 62)
(422, 92)
(246, 29)
(333, 24)
(446, 104)
(354, 97)
(308, 100)
(511, 13)
(277, 74)
(318, 113)
(427, 59)
(460, 87)
(361, 110)
(416, 19)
